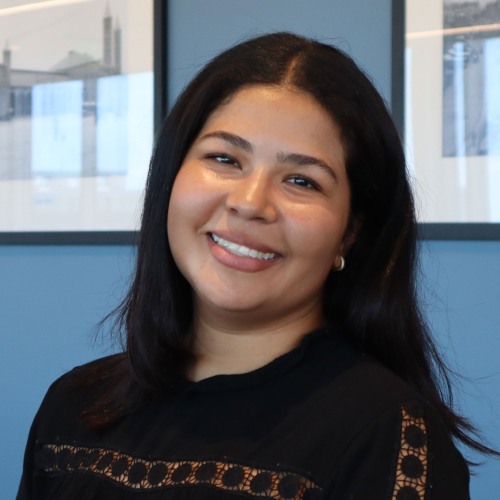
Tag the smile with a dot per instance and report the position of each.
(241, 250)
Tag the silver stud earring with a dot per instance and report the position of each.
(341, 265)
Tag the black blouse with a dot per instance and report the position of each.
(321, 422)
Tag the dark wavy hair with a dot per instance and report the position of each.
(373, 300)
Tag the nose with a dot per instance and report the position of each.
(251, 197)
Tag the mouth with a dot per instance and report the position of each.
(241, 250)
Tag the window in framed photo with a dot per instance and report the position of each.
(452, 108)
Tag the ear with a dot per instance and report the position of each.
(351, 233)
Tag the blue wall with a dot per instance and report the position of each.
(50, 300)
(461, 296)
(51, 297)
(198, 31)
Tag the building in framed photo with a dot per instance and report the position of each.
(24, 91)
(471, 78)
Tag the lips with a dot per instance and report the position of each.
(242, 250)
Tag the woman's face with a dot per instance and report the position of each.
(259, 209)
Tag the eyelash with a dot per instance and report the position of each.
(304, 180)
(223, 158)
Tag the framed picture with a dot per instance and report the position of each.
(447, 101)
(82, 83)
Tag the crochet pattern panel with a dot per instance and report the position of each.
(139, 474)
(411, 468)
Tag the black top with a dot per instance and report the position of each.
(321, 422)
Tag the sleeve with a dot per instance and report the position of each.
(25, 491)
(26, 488)
(406, 454)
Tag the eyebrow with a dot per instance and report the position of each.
(305, 161)
(233, 139)
(293, 158)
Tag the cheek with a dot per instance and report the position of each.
(318, 235)
(191, 204)
(178, 209)
(184, 192)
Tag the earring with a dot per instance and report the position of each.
(341, 265)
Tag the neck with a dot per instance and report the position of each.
(222, 349)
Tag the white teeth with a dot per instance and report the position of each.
(242, 251)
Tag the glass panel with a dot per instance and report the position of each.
(76, 113)
(453, 109)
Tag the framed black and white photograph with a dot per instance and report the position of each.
(452, 115)
(77, 110)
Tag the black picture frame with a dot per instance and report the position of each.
(427, 231)
(160, 65)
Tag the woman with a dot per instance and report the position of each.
(274, 345)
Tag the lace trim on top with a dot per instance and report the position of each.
(411, 468)
(139, 474)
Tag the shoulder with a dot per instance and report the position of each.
(355, 381)
(393, 442)
(405, 452)
(81, 376)
(69, 395)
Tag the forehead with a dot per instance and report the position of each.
(276, 112)
(282, 97)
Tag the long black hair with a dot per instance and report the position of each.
(374, 299)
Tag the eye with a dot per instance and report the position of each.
(223, 158)
(304, 182)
